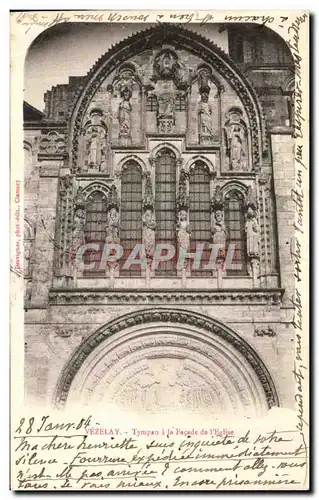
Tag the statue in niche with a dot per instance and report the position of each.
(205, 118)
(252, 232)
(95, 147)
(183, 231)
(125, 113)
(236, 142)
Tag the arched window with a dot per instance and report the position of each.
(200, 214)
(165, 208)
(235, 225)
(95, 229)
(131, 215)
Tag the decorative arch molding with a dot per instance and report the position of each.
(164, 146)
(289, 84)
(195, 332)
(96, 186)
(123, 164)
(235, 186)
(191, 164)
(186, 40)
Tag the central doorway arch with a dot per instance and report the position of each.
(168, 360)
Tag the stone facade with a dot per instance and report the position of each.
(164, 90)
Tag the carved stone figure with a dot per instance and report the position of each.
(205, 118)
(183, 231)
(149, 227)
(219, 231)
(125, 113)
(237, 147)
(265, 332)
(165, 66)
(252, 233)
(95, 148)
(113, 226)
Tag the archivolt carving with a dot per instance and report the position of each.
(186, 40)
(206, 327)
(191, 164)
(96, 186)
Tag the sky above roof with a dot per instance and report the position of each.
(71, 49)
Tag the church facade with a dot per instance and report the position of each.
(159, 228)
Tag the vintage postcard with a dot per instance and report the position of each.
(159, 250)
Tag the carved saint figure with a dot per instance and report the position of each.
(165, 66)
(183, 230)
(125, 112)
(219, 233)
(149, 226)
(252, 233)
(237, 147)
(113, 226)
(205, 116)
(95, 147)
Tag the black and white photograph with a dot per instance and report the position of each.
(161, 240)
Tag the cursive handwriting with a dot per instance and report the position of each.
(73, 458)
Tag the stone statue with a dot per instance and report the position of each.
(95, 139)
(149, 227)
(219, 231)
(183, 231)
(205, 117)
(165, 66)
(113, 226)
(252, 233)
(237, 150)
(125, 113)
